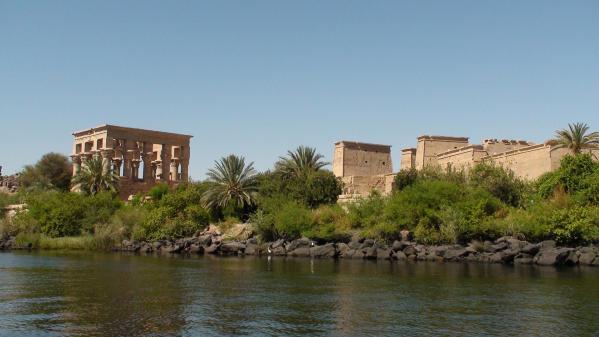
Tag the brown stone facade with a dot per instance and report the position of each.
(359, 164)
(140, 157)
(362, 167)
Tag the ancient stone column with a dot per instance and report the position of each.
(147, 166)
(116, 166)
(174, 172)
(184, 162)
(146, 155)
(76, 159)
(126, 159)
(106, 160)
(135, 168)
(165, 154)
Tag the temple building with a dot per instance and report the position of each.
(141, 158)
(366, 167)
(362, 167)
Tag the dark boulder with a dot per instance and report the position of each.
(547, 244)
(454, 253)
(410, 250)
(231, 248)
(370, 253)
(587, 255)
(552, 256)
(367, 243)
(300, 252)
(572, 258)
(342, 248)
(251, 249)
(523, 258)
(278, 251)
(204, 240)
(327, 250)
(277, 244)
(498, 247)
(195, 248)
(531, 248)
(385, 254)
(348, 254)
(212, 249)
(400, 245)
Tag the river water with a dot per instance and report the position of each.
(95, 294)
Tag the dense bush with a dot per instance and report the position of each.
(501, 183)
(311, 189)
(291, 220)
(442, 211)
(174, 214)
(405, 178)
(575, 175)
(68, 214)
(52, 171)
(329, 223)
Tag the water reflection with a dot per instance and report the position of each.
(57, 294)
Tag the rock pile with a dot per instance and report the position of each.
(9, 184)
(505, 250)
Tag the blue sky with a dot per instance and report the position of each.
(260, 77)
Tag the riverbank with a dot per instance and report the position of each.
(505, 250)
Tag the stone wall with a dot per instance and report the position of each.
(462, 158)
(430, 146)
(408, 158)
(530, 162)
(494, 146)
(361, 159)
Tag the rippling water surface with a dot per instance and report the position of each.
(88, 294)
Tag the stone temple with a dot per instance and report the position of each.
(141, 158)
(365, 167)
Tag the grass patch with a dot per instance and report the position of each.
(39, 241)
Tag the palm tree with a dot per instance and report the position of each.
(232, 181)
(92, 178)
(576, 137)
(301, 161)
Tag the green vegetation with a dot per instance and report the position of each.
(232, 183)
(576, 137)
(299, 198)
(52, 171)
(92, 178)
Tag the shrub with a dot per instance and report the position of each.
(291, 220)
(68, 214)
(52, 171)
(59, 214)
(311, 189)
(329, 223)
(422, 200)
(107, 236)
(176, 214)
(571, 176)
(367, 212)
(501, 183)
(264, 224)
(589, 195)
(158, 191)
(126, 218)
(405, 178)
(575, 225)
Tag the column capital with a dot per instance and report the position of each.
(76, 158)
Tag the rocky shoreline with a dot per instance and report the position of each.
(505, 250)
